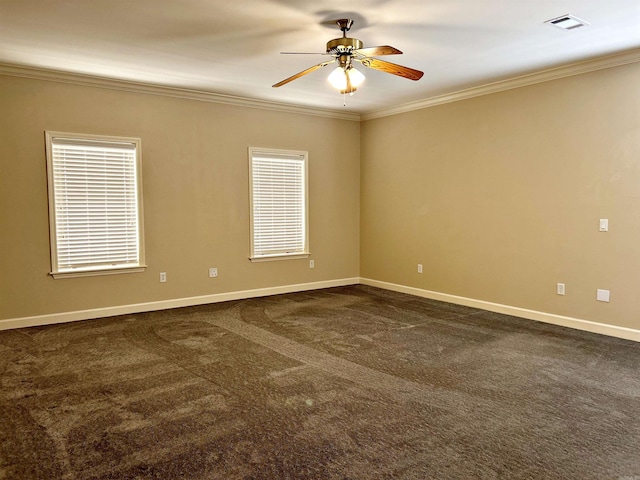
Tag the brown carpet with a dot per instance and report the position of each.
(344, 383)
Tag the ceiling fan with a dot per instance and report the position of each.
(345, 50)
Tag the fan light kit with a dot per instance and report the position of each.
(345, 78)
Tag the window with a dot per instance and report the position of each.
(95, 204)
(278, 186)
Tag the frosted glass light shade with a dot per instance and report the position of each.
(356, 77)
(338, 78)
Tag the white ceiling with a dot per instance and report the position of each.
(233, 47)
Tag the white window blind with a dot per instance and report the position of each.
(278, 203)
(95, 203)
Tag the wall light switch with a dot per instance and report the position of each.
(604, 224)
(419, 268)
(602, 295)
(312, 263)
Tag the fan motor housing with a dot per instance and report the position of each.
(343, 44)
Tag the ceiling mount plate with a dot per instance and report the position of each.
(344, 24)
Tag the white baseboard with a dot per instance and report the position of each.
(576, 323)
(166, 304)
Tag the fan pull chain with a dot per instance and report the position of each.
(344, 99)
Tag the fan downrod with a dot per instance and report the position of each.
(344, 45)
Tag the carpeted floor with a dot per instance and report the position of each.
(344, 383)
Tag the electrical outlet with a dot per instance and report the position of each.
(560, 288)
(163, 277)
(419, 268)
(312, 263)
(213, 272)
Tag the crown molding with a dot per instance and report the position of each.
(578, 68)
(600, 63)
(175, 92)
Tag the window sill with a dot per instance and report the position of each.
(93, 273)
(284, 256)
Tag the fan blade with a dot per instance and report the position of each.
(304, 72)
(389, 67)
(304, 53)
(375, 51)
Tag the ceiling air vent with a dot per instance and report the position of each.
(567, 22)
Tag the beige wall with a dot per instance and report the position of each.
(499, 197)
(195, 180)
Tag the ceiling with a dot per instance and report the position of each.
(233, 47)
